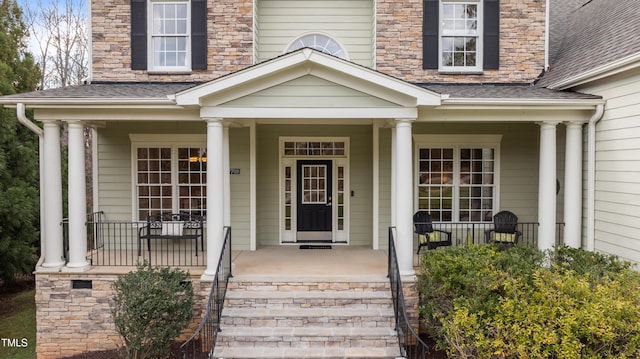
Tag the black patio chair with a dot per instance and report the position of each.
(427, 235)
(505, 230)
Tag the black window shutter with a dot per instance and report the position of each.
(138, 34)
(430, 28)
(199, 34)
(491, 47)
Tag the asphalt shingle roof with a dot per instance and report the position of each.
(142, 91)
(112, 90)
(587, 34)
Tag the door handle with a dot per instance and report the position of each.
(328, 204)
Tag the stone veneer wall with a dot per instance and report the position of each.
(398, 42)
(522, 43)
(412, 302)
(230, 43)
(72, 321)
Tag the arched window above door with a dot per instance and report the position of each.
(319, 42)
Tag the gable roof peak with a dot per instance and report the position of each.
(307, 61)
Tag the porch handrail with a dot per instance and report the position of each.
(411, 346)
(203, 341)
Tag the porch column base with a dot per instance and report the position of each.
(79, 269)
(205, 277)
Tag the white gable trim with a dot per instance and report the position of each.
(307, 62)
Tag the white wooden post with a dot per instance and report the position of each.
(404, 196)
(77, 197)
(547, 186)
(52, 196)
(215, 194)
(573, 186)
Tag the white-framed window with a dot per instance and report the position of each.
(168, 177)
(321, 42)
(461, 36)
(458, 177)
(169, 35)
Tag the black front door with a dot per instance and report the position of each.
(314, 200)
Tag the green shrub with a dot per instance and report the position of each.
(469, 278)
(482, 302)
(596, 265)
(152, 306)
(564, 314)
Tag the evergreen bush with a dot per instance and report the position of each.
(487, 302)
(152, 306)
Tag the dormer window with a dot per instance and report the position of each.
(320, 42)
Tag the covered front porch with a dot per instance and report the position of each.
(392, 147)
(116, 244)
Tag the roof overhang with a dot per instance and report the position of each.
(628, 63)
(518, 104)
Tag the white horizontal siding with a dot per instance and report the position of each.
(240, 187)
(617, 226)
(518, 162)
(114, 174)
(115, 197)
(279, 22)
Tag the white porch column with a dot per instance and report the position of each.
(404, 196)
(215, 193)
(547, 186)
(394, 182)
(573, 186)
(52, 196)
(227, 177)
(77, 197)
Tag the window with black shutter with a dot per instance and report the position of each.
(168, 35)
(461, 36)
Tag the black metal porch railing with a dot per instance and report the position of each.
(118, 243)
(411, 346)
(468, 233)
(202, 343)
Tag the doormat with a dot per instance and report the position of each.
(306, 246)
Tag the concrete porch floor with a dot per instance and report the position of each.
(291, 261)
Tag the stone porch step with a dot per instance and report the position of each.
(307, 318)
(307, 353)
(308, 337)
(340, 317)
(310, 298)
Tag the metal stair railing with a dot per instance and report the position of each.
(203, 341)
(411, 346)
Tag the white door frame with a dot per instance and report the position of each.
(287, 187)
